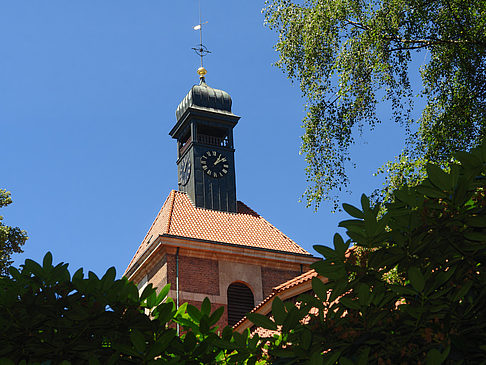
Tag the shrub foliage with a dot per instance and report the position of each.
(49, 317)
(417, 296)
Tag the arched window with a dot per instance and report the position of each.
(240, 302)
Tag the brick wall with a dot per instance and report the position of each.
(196, 275)
(273, 277)
(157, 276)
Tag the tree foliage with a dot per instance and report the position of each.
(434, 237)
(349, 55)
(11, 238)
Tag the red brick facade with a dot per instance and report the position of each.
(273, 277)
(196, 275)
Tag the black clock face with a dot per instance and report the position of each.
(214, 164)
(185, 171)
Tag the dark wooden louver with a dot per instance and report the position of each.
(240, 302)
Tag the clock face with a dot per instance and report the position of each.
(185, 171)
(214, 164)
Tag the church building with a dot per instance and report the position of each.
(205, 242)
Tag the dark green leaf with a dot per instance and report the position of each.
(206, 306)
(316, 358)
(47, 262)
(340, 246)
(216, 315)
(163, 294)
(278, 310)
(350, 303)
(194, 313)
(261, 321)
(138, 340)
(416, 278)
(353, 211)
(320, 289)
(438, 177)
(325, 251)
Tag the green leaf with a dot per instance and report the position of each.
(161, 343)
(340, 246)
(47, 262)
(434, 357)
(146, 293)
(416, 278)
(262, 321)
(278, 310)
(163, 294)
(463, 290)
(363, 356)
(353, 211)
(364, 294)
(108, 278)
(206, 306)
(204, 324)
(190, 342)
(138, 340)
(78, 275)
(306, 339)
(325, 251)
(438, 177)
(227, 333)
(316, 358)
(350, 303)
(475, 236)
(194, 313)
(403, 290)
(215, 316)
(330, 270)
(320, 288)
(331, 357)
(365, 203)
(181, 310)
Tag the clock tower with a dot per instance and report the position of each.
(205, 148)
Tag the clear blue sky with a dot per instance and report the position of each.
(88, 93)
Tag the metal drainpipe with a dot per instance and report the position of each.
(177, 284)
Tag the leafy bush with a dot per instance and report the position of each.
(49, 317)
(433, 238)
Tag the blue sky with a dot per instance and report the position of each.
(88, 93)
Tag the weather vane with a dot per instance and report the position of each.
(201, 50)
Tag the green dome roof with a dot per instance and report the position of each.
(204, 96)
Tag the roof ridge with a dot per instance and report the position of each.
(171, 209)
(306, 275)
(276, 229)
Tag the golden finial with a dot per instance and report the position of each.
(201, 71)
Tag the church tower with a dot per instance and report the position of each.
(203, 242)
(205, 147)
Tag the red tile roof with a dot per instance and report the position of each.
(179, 217)
(295, 281)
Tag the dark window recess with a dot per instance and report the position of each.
(184, 142)
(240, 302)
(213, 136)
